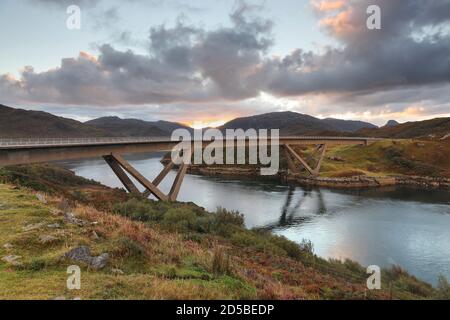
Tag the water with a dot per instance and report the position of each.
(407, 227)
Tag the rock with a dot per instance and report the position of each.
(83, 254)
(54, 226)
(420, 144)
(31, 227)
(56, 212)
(336, 158)
(80, 254)
(13, 260)
(100, 261)
(41, 198)
(8, 246)
(59, 298)
(44, 239)
(70, 218)
(117, 271)
(95, 235)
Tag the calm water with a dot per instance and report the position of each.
(385, 226)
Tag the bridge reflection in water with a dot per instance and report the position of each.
(289, 212)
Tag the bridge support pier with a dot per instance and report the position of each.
(119, 165)
(289, 152)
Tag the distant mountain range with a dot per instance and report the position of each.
(292, 123)
(22, 123)
(135, 127)
(435, 128)
(15, 123)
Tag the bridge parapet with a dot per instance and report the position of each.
(10, 143)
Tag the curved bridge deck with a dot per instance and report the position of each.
(38, 150)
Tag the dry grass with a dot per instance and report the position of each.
(156, 263)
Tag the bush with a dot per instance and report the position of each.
(138, 210)
(220, 262)
(443, 289)
(130, 248)
(229, 217)
(307, 246)
(180, 220)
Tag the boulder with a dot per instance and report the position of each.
(70, 218)
(83, 254)
(13, 260)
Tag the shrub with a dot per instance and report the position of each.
(307, 246)
(220, 262)
(179, 220)
(229, 217)
(443, 289)
(291, 248)
(130, 248)
(138, 210)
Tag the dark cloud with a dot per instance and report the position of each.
(370, 59)
(184, 64)
(188, 64)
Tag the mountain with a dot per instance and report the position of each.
(135, 127)
(391, 123)
(435, 128)
(292, 123)
(15, 123)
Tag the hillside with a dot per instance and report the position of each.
(135, 127)
(435, 128)
(292, 123)
(16, 123)
(389, 158)
(142, 249)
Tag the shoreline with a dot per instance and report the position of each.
(420, 182)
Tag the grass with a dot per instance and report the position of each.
(166, 251)
(387, 158)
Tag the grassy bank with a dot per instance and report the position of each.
(388, 158)
(160, 250)
(382, 159)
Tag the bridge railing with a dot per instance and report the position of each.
(30, 142)
(24, 142)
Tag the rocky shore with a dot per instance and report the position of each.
(341, 182)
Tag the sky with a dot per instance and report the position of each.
(204, 62)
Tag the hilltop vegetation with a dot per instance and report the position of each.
(160, 250)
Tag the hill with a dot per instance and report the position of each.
(15, 123)
(435, 128)
(135, 127)
(292, 123)
(391, 123)
(157, 250)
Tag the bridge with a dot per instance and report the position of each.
(40, 150)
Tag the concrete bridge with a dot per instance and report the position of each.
(39, 150)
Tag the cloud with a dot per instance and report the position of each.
(66, 3)
(184, 63)
(370, 60)
(405, 63)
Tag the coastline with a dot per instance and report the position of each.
(421, 182)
